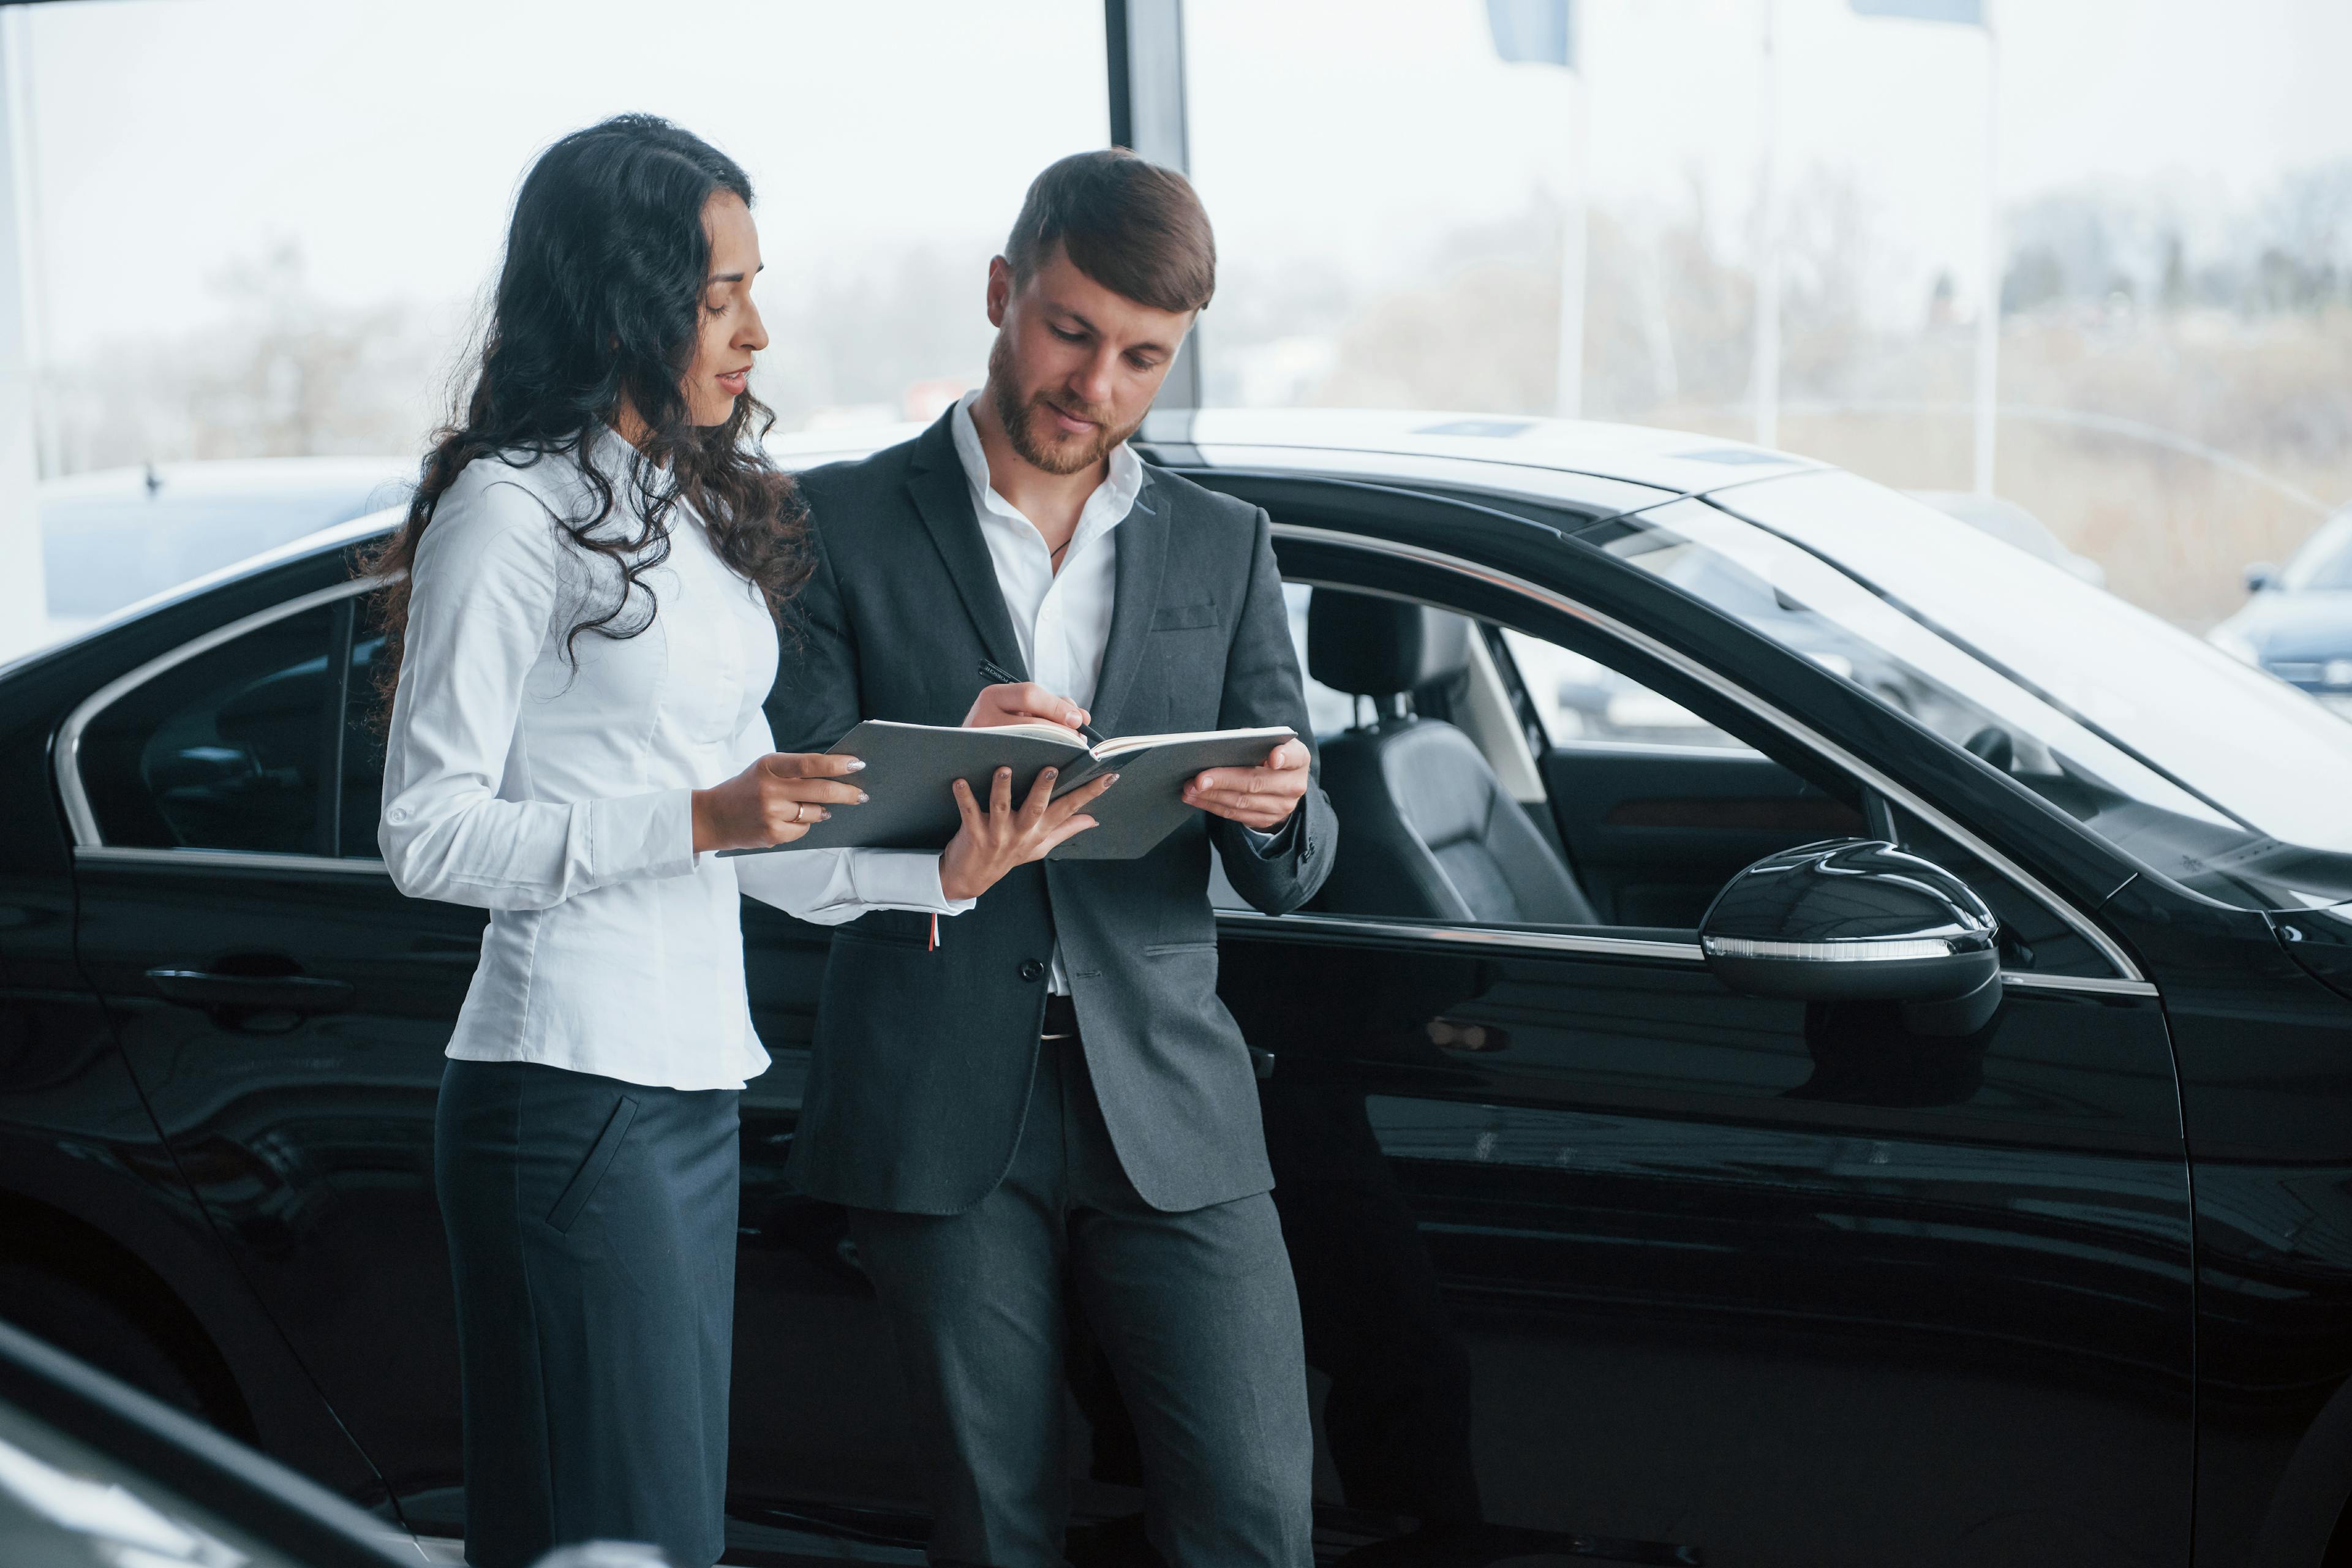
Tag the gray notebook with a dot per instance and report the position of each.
(909, 767)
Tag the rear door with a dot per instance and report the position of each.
(285, 1011)
(1589, 1247)
(282, 1007)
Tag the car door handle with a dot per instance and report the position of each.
(1460, 1034)
(275, 993)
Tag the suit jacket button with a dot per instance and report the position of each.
(1031, 970)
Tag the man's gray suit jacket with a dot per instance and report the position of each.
(921, 1063)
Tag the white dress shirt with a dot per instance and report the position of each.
(1061, 618)
(559, 797)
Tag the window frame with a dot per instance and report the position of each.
(2125, 980)
(82, 821)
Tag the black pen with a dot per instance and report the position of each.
(996, 674)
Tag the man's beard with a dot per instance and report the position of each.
(1055, 457)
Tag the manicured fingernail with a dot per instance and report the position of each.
(1049, 772)
(863, 797)
(856, 764)
(1110, 781)
(822, 814)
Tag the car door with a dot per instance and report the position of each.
(1588, 1246)
(285, 1010)
(282, 1008)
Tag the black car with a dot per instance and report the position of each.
(1623, 1230)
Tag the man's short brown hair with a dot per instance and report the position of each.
(1131, 226)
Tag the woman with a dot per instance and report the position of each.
(584, 597)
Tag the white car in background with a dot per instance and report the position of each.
(112, 538)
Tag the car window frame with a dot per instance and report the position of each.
(2127, 979)
(81, 820)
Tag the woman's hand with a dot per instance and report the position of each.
(994, 841)
(773, 801)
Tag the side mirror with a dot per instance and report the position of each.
(2262, 575)
(1858, 920)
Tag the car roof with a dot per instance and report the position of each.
(236, 476)
(1679, 461)
(1617, 466)
(2004, 519)
(1395, 443)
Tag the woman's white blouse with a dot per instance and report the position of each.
(559, 797)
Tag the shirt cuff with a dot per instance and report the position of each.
(640, 836)
(1268, 845)
(902, 880)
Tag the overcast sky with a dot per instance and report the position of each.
(175, 137)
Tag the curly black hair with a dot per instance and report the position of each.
(597, 308)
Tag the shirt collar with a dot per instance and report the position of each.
(1111, 501)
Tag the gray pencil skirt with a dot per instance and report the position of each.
(592, 1242)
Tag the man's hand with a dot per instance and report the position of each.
(1261, 797)
(773, 801)
(1025, 703)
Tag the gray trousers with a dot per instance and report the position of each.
(591, 1241)
(1196, 1311)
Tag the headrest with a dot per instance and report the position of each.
(1371, 647)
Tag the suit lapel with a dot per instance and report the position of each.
(942, 495)
(1142, 561)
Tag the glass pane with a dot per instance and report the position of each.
(888, 157)
(1382, 185)
(289, 357)
(363, 725)
(1582, 701)
(2193, 764)
(228, 751)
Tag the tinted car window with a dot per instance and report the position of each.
(1582, 701)
(229, 750)
(362, 785)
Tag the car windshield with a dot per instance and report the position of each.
(2326, 561)
(2197, 766)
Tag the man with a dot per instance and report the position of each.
(1050, 1088)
